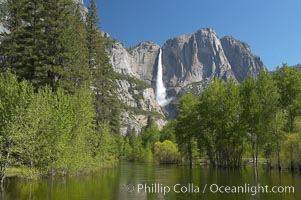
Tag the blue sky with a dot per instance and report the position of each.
(271, 27)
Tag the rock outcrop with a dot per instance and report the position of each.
(190, 63)
(1, 28)
(135, 85)
(136, 68)
(121, 60)
(139, 102)
(241, 59)
(202, 56)
(145, 55)
(194, 58)
(138, 61)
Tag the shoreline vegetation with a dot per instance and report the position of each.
(58, 108)
(258, 118)
(59, 111)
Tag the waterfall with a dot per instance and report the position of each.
(160, 88)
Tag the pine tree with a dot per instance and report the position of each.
(61, 41)
(77, 70)
(20, 47)
(150, 134)
(46, 43)
(102, 73)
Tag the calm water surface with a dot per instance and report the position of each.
(121, 183)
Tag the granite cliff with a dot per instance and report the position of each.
(135, 67)
(190, 63)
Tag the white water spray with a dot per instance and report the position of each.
(160, 89)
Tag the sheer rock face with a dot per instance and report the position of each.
(122, 62)
(140, 103)
(138, 61)
(190, 63)
(145, 55)
(1, 28)
(240, 57)
(193, 58)
(135, 97)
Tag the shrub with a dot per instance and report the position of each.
(166, 152)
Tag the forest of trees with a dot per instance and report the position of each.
(59, 113)
(257, 120)
(57, 102)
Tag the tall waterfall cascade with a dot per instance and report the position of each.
(161, 95)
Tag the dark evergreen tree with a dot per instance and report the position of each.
(103, 82)
(76, 69)
(20, 47)
(58, 67)
(150, 134)
(46, 43)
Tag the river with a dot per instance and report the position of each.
(148, 181)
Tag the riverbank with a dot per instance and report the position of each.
(27, 173)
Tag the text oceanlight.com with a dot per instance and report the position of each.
(211, 188)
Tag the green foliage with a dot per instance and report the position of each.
(55, 131)
(150, 134)
(229, 121)
(166, 152)
(103, 78)
(132, 148)
(298, 125)
(138, 150)
(53, 122)
(221, 131)
(186, 128)
(291, 151)
(14, 99)
(127, 150)
(29, 173)
(76, 69)
(103, 145)
(168, 132)
(147, 154)
(42, 45)
(51, 132)
(288, 81)
(21, 46)
(57, 49)
(137, 147)
(260, 100)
